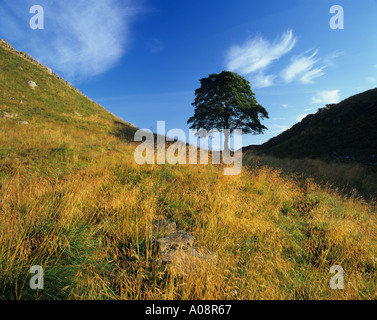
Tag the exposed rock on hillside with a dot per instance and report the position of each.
(9, 115)
(32, 84)
(176, 251)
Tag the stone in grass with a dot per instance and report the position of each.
(32, 84)
(25, 123)
(177, 240)
(163, 227)
(9, 115)
(177, 254)
(78, 114)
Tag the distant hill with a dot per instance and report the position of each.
(346, 131)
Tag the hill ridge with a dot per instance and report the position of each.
(6, 45)
(344, 131)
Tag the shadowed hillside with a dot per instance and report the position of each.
(345, 131)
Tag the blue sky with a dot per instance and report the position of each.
(142, 60)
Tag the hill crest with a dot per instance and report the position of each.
(345, 131)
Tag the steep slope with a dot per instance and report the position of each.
(344, 131)
(42, 117)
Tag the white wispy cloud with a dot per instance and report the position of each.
(257, 54)
(286, 106)
(326, 97)
(302, 68)
(261, 80)
(81, 38)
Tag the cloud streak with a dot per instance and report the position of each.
(256, 55)
(253, 58)
(302, 68)
(326, 97)
(81, 38)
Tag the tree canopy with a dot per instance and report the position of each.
(226, 101)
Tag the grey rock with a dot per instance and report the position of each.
(5, 44)
(9, 115)
(178, 240)
(25, 123)
(179, 257)
(32, 84)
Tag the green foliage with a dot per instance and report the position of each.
(226, 101)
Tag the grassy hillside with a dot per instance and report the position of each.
(73, 200)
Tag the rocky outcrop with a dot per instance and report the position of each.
(176, 251)
(9, 115)
(178, 240)
(5, 44)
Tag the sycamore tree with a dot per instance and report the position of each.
(225, 102)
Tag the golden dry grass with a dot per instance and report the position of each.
(87, 219)
(73, 200)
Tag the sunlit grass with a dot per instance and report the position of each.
(90, 230)
(73, 200)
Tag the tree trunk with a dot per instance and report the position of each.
(226, 152)
(226, 141)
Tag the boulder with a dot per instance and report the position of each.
(178, 255)
(178, 240)
(32, 84)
